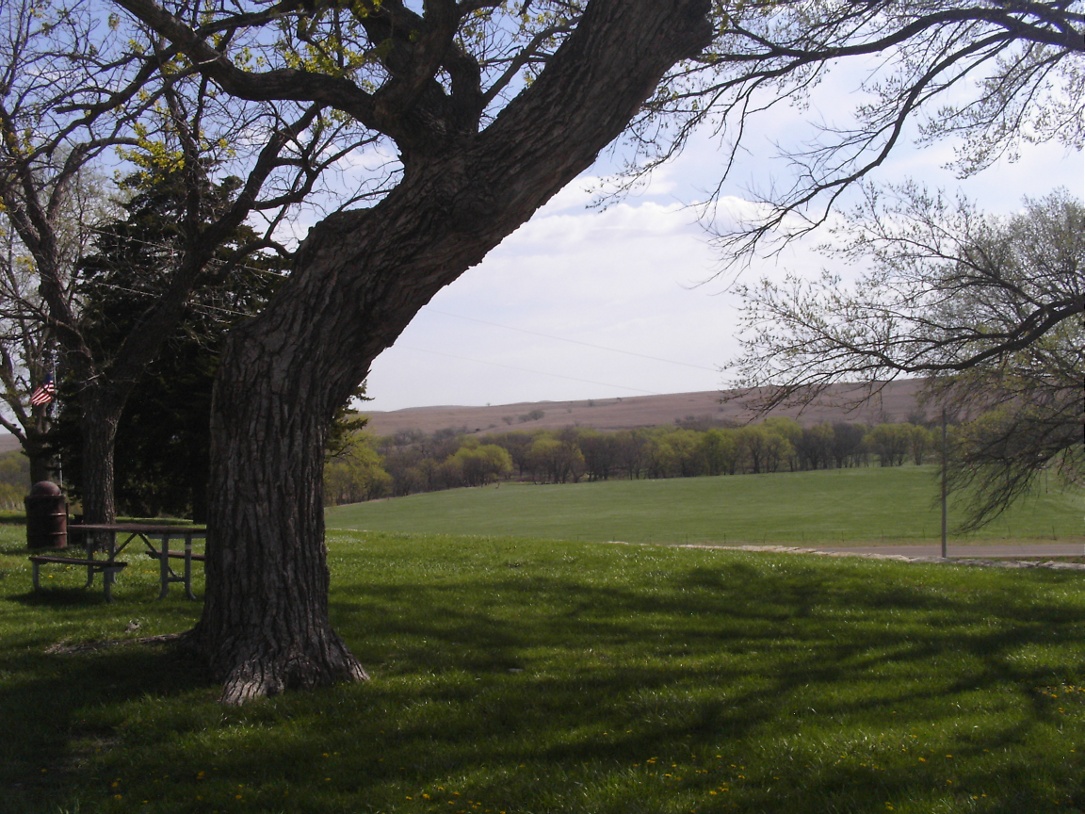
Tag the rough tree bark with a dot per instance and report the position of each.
(101, 416)
(359, 279)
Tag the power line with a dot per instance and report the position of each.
(528, 370)
(216, 261)
(198, 307)
(209, 308)
(575, 342)
(268, 272)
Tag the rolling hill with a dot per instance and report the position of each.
(895, 402)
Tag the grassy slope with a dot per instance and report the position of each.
(848, 505)
(546, 677)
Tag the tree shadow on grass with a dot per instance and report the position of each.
(62, 678)
(721, 660)
(773, 685)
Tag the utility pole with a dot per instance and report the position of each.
(945, 490)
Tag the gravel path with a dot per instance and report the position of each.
(996, 556)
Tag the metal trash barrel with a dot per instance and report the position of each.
(46, 516)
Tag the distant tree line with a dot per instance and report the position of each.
(368, 467)
(14, 476)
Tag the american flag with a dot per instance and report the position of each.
(44, 393)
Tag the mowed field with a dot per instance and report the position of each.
(517, 674)
(839, 507)
(514, 676)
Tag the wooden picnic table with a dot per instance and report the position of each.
(113, 538)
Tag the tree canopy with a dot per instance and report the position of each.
(83, 94)
(28, 342)
(987, 77)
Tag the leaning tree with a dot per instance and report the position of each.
(480, 111)
(490, 112)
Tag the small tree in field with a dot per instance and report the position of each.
(355, 472)
(890, 442)
(990, 309)
(480, 464)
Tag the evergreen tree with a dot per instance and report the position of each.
(163, 435)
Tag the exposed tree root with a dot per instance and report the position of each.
(256, 671)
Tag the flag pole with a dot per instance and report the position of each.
(56, 401)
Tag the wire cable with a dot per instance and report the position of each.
(529, 370)
(574, 341)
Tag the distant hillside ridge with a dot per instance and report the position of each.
(896, 401)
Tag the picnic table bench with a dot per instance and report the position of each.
(108, 569)
(104, 537)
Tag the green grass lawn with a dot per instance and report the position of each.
(836, 506)
(527, 676)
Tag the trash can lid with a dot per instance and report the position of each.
(44, 488)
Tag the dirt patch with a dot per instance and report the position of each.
(1068, 564)
(71, 648)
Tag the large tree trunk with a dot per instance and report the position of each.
(359, 279)
(100, 419)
